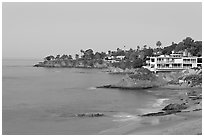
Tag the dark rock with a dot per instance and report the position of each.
(154, 114)
(162, 113)
(192, 93)
(105, 86)
(36, 65)
(197, 109)
(125, 87)
(90, 115)
(195, 98)
(175, 107)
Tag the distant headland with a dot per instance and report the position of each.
(122, 59)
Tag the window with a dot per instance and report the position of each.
(167, 65)
(199, 65)
(176, 65)
(193, 60)
(187, 65)
(152, 60)
(152, 65)
(199, 60)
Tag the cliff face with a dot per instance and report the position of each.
(142, 78)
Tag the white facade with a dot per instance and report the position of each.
(172, 62)
(113, 59)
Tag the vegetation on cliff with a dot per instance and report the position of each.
(132, 58)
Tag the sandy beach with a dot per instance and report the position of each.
(187, 122)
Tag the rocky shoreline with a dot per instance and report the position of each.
(181, 114)
(184, 93)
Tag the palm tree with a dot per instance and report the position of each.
(70, 57)
(48, 58)
(109, 52)
(76, 56)
(145, 46)
(82, 51)
(57, 57)
(63, 57)
(138, 48)
(158, 44)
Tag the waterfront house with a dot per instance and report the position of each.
(173, 62)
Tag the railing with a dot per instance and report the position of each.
(168, 61)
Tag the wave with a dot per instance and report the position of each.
(91, 88)
(159, 102)
(125, 117)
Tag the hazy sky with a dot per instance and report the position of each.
(34, 30)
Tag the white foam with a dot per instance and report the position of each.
(57, 71)
(125, 117)
(92, 88)
(159, 102)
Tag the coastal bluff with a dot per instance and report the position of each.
(69, 64)
(141, 79)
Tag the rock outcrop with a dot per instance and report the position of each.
(175, 107)
(89, 115)
(169, 109)
(186, 78)
(141, 79)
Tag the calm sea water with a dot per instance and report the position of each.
(45, 100)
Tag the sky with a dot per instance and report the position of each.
(35, 30)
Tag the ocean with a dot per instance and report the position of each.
(44, 101)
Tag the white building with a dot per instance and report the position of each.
(173, 62)
(113, 59)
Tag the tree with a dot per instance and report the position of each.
(109, 52)
(133, 56)
(103, 55)
(100, 61)
(48, 58)
(122, 65)
(131, 50)
(63, 57)
(76, 56)
(158, 44)
(89, 54)
(57, 57)
(97, 55)
(128, 64)
(168, 50)
(138, 48)
(148, 52)
(82, 52)
(70, 57)
(180, 47)
(188, 41)
(145, 46)
(137, 63)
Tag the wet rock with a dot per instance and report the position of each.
(175, 107)
(90, 115)
(105, 86)
(141, 79)
(195, 98)
(197, 109)
(36, 65)
(126, 87)
(162, 113)
(192, 93)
